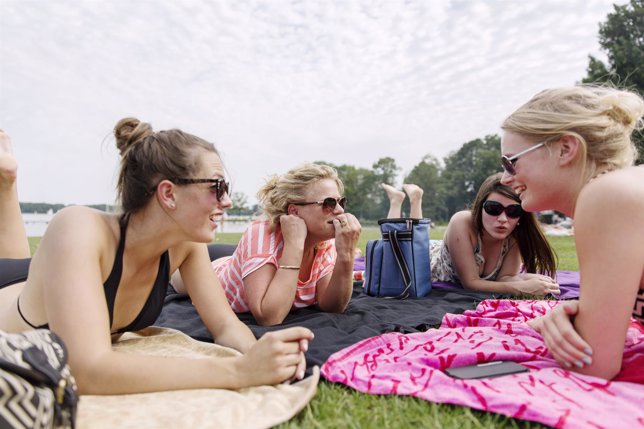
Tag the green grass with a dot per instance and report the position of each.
(336, 406)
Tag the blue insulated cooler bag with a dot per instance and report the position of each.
(397, 266)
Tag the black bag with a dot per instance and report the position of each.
(397, 266)
(37, 388)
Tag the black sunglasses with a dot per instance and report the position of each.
(508, 163)
(328, 203)
(220, 186)
(495, 208)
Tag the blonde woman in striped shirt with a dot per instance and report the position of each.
(300, 254)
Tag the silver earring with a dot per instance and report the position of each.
(172, 205)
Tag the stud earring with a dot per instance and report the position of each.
(172, 205)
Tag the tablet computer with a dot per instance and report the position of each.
(486, 370)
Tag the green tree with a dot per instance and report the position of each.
(427, 175)
(622, 39)
(466, 169)
(365, 198)
(357, 183)
(240, 204)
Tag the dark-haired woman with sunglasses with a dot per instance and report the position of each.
(96, 275)
(484, 248)
(300, 254)
(571, 150)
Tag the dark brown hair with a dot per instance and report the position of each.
(535, 250)
(147, 157)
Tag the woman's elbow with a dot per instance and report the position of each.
(87, 380)
(268, 319)
(607, 372)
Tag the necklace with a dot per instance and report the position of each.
(599, 174)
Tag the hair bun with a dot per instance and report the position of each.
(623, 108)
(269, 185)
(129, 131)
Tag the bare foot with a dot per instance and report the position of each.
(395, 196)
(8, 164)
(414, 192)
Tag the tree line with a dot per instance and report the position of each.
(449, 184)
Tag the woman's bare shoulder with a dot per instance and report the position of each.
(612, 203)
(622, 187)
(460, 223)
(80, 223)
(463, 216)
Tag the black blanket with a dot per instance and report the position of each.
(365, 317)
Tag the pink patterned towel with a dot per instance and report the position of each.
(412, 364)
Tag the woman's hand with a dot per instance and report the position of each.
(276, 357)
(559, 334)
(537, 284)
(347, 232)
(293, 230)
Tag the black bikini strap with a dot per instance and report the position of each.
(23, 316)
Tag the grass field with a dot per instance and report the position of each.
(336, 406)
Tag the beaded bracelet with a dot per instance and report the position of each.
(289, 267)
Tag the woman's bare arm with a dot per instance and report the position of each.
(69, 265)
(271, 291)
(333, 295)
(609, 232)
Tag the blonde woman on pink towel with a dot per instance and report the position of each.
(571, 150)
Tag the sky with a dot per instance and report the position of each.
(274, 83)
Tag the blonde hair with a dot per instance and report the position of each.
(602, 118)
(280, 191)
(147, 157)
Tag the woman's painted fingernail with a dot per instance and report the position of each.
(568, 365)
(300, 375)
(588, 351)
(587, 360)
(305, 345)
(579, 364)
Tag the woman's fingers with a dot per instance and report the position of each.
(301, 367)
(554, 289)
(296, 333)
(562, 340)
(304, 345)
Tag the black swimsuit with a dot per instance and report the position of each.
(154, 303)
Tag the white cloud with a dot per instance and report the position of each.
(273, 83)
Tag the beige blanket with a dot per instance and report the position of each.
(255, 407)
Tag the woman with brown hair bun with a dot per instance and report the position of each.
(96, 275)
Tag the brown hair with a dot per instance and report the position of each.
(535, 250)
(147, 157)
